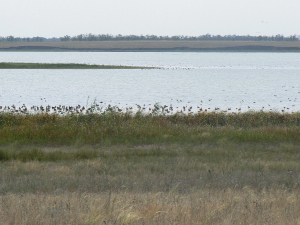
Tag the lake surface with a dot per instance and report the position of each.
(228, 81)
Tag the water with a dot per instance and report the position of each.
(225, 81)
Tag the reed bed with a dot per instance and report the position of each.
(94, 125)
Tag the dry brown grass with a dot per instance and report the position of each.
(210, 183)
(143, 45)
(201, 207)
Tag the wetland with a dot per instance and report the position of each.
(209, 138)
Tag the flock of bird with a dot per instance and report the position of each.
(156, 108)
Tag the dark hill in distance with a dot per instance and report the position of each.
(154, 46)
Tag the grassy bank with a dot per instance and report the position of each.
(9, 65)
(149, 168)
(271, 46)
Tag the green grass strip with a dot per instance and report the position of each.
(123, 128)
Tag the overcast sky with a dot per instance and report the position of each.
(56, 18)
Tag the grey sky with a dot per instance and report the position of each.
(56, 18)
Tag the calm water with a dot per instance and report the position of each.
(208, 80)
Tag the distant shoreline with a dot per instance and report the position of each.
(153, 46)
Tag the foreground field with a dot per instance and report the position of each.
(202, 207)
(122, 168)
(268, 46)
(221, 183)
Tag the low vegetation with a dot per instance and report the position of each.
(113, 167)
(9, 65)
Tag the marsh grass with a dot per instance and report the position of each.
(114, 127)
(13, 65)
